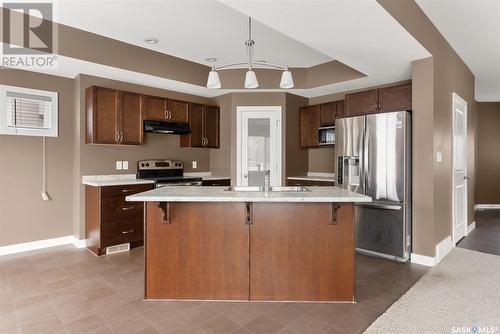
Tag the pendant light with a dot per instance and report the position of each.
(251, 81)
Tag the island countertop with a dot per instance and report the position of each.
(219, 194)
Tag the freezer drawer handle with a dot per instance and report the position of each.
(381, 206)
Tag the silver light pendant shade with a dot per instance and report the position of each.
(286, 80)
(213, 81)
(251, 80)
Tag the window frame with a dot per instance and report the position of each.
(53, 130)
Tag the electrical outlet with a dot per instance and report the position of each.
(195, 164)
(439, 156)
(125, 165)
(119, 165)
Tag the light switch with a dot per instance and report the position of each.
(125, 164)
(439, 156)
(195, 164)
(119, 165)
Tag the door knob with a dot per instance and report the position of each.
(466, 177)
(245, 176)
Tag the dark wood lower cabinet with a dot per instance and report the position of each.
(201, 254)
(110, 220)
(217, 182)
(297, 254)
(249, 251)
(309, 183)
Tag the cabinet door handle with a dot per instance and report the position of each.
(169, 114)
(117, 136)
(127, 190)
(206, 143)
(127, 232)
(127, 208)
(121, 137)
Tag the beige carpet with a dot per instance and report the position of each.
(460, 295)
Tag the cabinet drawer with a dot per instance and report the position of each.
(305, 183)
(121, 232)
(116, 208)
(124, 190)
(220, 182)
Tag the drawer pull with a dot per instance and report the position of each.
(127, 232)
(127, 190)
(128, 208)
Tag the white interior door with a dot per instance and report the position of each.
(259, 145)
(459, 168)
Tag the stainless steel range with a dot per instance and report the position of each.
(166, 173)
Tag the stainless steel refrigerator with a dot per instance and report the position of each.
(373, 157)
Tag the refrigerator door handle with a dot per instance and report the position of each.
(381, 206)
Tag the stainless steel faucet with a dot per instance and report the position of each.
(267, 182)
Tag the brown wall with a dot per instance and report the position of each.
(450, 74)
(220, 159)
(24, 216)
(322, 160)
(296, 158)
(488, 156)
(422, 162)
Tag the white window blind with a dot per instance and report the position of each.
(28, 112)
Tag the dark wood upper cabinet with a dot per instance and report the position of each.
(385, 99)
(116, 117)
(113, 117)
(328, 113)
(395, 98)
(362, 103)
(177, 111)
(155, 108)
(196, 123)
(205, 127)
(131, 118)
(340, 109)
(212, 127)
(309, 124)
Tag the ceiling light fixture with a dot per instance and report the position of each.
(151, 40)
(251, 81)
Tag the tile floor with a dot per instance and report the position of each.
(486, 236)
(68, 290)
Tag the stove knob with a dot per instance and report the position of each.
(147, 164)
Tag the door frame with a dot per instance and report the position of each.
(239, 118)
(458, 100)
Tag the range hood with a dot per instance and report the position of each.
(166, 127)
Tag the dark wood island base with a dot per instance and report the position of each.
(249, 251)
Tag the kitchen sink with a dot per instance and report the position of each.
(245, 189)
(297, 189)
(272, 189)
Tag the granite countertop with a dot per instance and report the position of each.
(325, 177)
(113, 180)
(218, 194)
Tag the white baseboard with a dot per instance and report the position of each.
(487, 206)
(470, 227)
(79, 243)
(39, 244)
(443, 248)
(423, 260)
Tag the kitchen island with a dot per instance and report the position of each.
(207, 243)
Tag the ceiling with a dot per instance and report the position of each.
(296, 33)
(473, 30)
(188, 29)
(358, 33)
